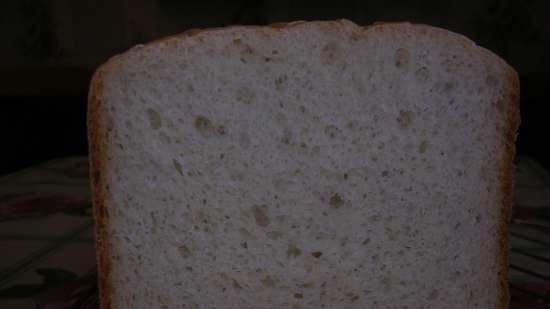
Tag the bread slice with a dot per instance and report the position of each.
(306, 165)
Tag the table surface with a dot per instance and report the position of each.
(47, 250)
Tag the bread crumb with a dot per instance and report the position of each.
(245, 95)
(203, 125)
(280, 82)
(401, 57)
(423, 74)
(405, 119)
(336, 201)
(154, 118)
(293, 251)
(236, 284)
(423, 146)
(244, 139)
(330, 53)
(268, 281)
(260, 215)
(177, 166)
(331, 131)
(184, 251)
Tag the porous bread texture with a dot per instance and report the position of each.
(312, 165)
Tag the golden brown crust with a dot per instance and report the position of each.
(512, 120)
(193, 32)
(98, 152)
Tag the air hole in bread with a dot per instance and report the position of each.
(401, 57)
(154, 118)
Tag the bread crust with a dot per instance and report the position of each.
(512, 121)
(98, 159)
(98, 147)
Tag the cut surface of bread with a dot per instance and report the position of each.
(306, 165)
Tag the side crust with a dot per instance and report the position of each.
(97, 135)
(512, 121)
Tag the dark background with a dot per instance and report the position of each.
(49, 49)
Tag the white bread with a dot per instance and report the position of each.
(306, 165)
